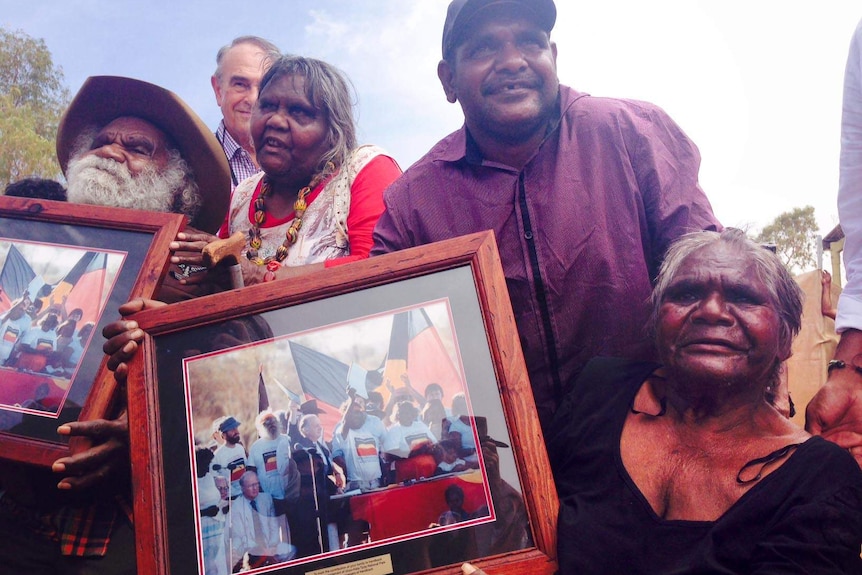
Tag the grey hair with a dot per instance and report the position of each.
(784, 294)
(83, 143)
(247, 473)
(303, 421)
(270, 50)
(187, 199)
(329, 91)
(260, 422)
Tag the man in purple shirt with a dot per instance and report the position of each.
(584, 194)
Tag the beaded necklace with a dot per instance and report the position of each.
(292, 234)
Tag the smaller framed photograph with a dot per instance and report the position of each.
(372, 418)
(64, 271)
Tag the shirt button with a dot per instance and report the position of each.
(528, 235)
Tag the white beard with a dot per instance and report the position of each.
(105, 182)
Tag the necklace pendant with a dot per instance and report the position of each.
(271, 267)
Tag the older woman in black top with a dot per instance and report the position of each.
(687, 467)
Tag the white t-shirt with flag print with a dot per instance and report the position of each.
(361, 449)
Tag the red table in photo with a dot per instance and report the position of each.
(407, 509)
(21, 388)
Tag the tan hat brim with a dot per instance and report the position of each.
(102, 99)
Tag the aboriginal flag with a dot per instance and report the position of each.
(322, 377)
(415, 348)
(86, 286)
(366, 447)
(14, 278)
(270, 461)
(262, 397)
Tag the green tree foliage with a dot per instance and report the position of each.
(794, 234)
(32, 99)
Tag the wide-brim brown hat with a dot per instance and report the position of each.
(103, 99)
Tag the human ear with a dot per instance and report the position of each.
(446, 75)
(216, 89)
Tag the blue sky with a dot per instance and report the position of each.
(756, 84)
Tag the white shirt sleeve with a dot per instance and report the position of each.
(850, 188)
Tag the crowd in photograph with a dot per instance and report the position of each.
(42, 338)
(274, 501)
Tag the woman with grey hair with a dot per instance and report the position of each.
(686, 466)
(319, 195)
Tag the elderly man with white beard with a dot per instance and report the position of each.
(130, 144)
(159, 181)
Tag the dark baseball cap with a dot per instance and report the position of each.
(228, 424)
(462, 11)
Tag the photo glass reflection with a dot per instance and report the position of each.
(336, 439)
(52, 297)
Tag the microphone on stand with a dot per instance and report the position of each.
(311, 452)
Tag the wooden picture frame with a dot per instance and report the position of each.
(92, 259)
(220, 355)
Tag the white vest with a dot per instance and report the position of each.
(323, 235)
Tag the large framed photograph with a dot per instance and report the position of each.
(64, 271)
(372, 418)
